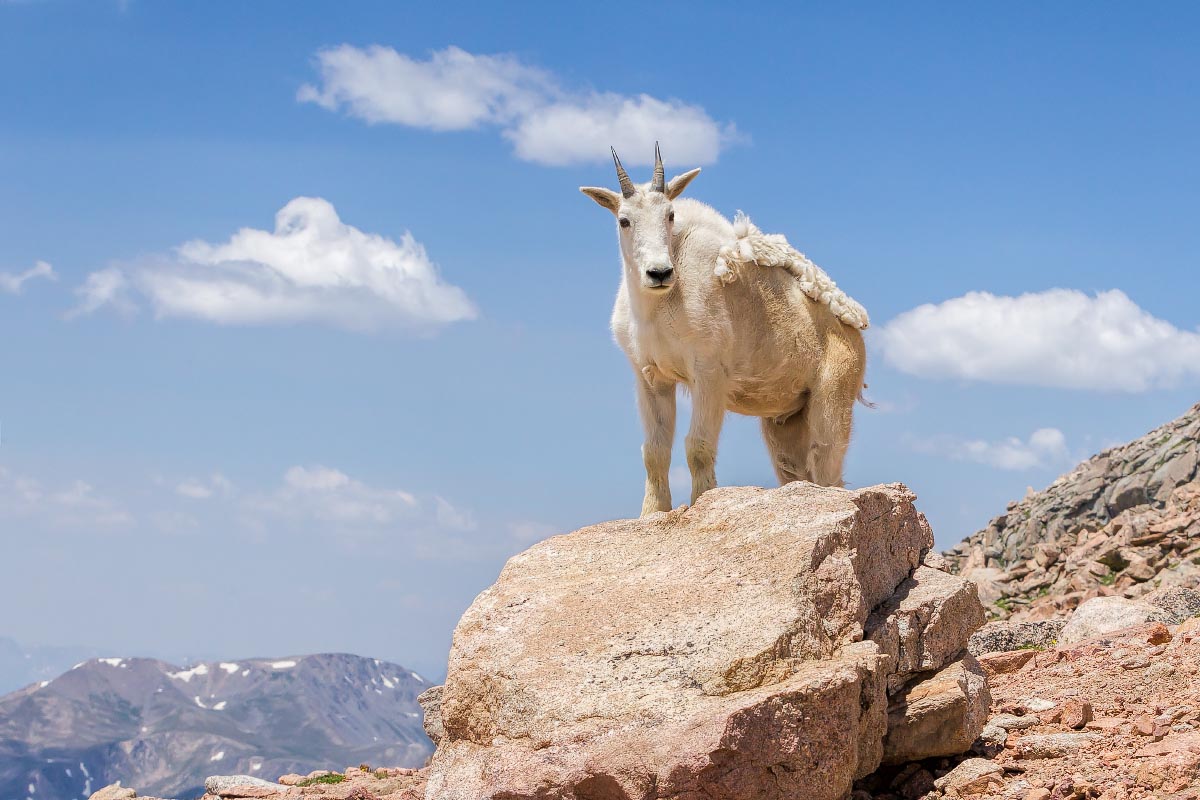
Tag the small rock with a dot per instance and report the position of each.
(935, 560)
(1105, 724)
(1004, 663)
(1076, 713)
(1159, 671)
(240, 786)
(430, 701)
(940, 715)
(1012, 722)
(291, 779)
(1157, 633)
(1038, 794)
(1135, 661)
(1054, 745)
(972, 775)
(991, 740)
(998, 637)
(114, 791)
(1140, 570)
(1051, 717)
(1037, 705)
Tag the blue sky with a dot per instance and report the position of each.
(224, 438)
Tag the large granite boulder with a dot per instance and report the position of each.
(748, 647)
(1102, 615)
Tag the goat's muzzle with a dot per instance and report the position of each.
(660, 277)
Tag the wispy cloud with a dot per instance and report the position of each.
(205, 488)
(1045, 447)
(547, 124)
(311, 268)
(13, 283)
(77, 504)
(329, 495)
(1058, 338)
(316, 501)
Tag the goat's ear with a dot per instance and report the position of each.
(605, 197)
(680, 182)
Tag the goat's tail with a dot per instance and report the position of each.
(863, 399)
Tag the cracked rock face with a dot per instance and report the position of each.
(741, 648)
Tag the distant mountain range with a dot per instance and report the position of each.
(163, 728)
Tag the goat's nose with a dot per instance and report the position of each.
(660, 274)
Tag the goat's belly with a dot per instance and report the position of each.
(767, 404)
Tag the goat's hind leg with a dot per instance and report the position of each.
(829, 418)
(788, 443)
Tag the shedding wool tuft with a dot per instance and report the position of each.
(751, 246)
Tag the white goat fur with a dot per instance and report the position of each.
(759, 345)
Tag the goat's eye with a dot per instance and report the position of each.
(624, 222)
(671, 217)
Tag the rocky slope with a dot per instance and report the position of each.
(1125, 522)
(164, 729)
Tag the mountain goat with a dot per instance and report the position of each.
(745, 322)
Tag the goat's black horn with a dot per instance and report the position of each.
(659, 182)
(627, 187)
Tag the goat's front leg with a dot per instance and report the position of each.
(708, 414)
(656, 404)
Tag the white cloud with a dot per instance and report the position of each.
(582, 130)
(311, 268)
(330, 495)
(75, 505)
(1059, 338)
(457, 90)
(453, 90)
(197, 489)
(1045, 447)
(316, 478)
(104, 288)
(13, 283)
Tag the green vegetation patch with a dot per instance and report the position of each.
(333, 777)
